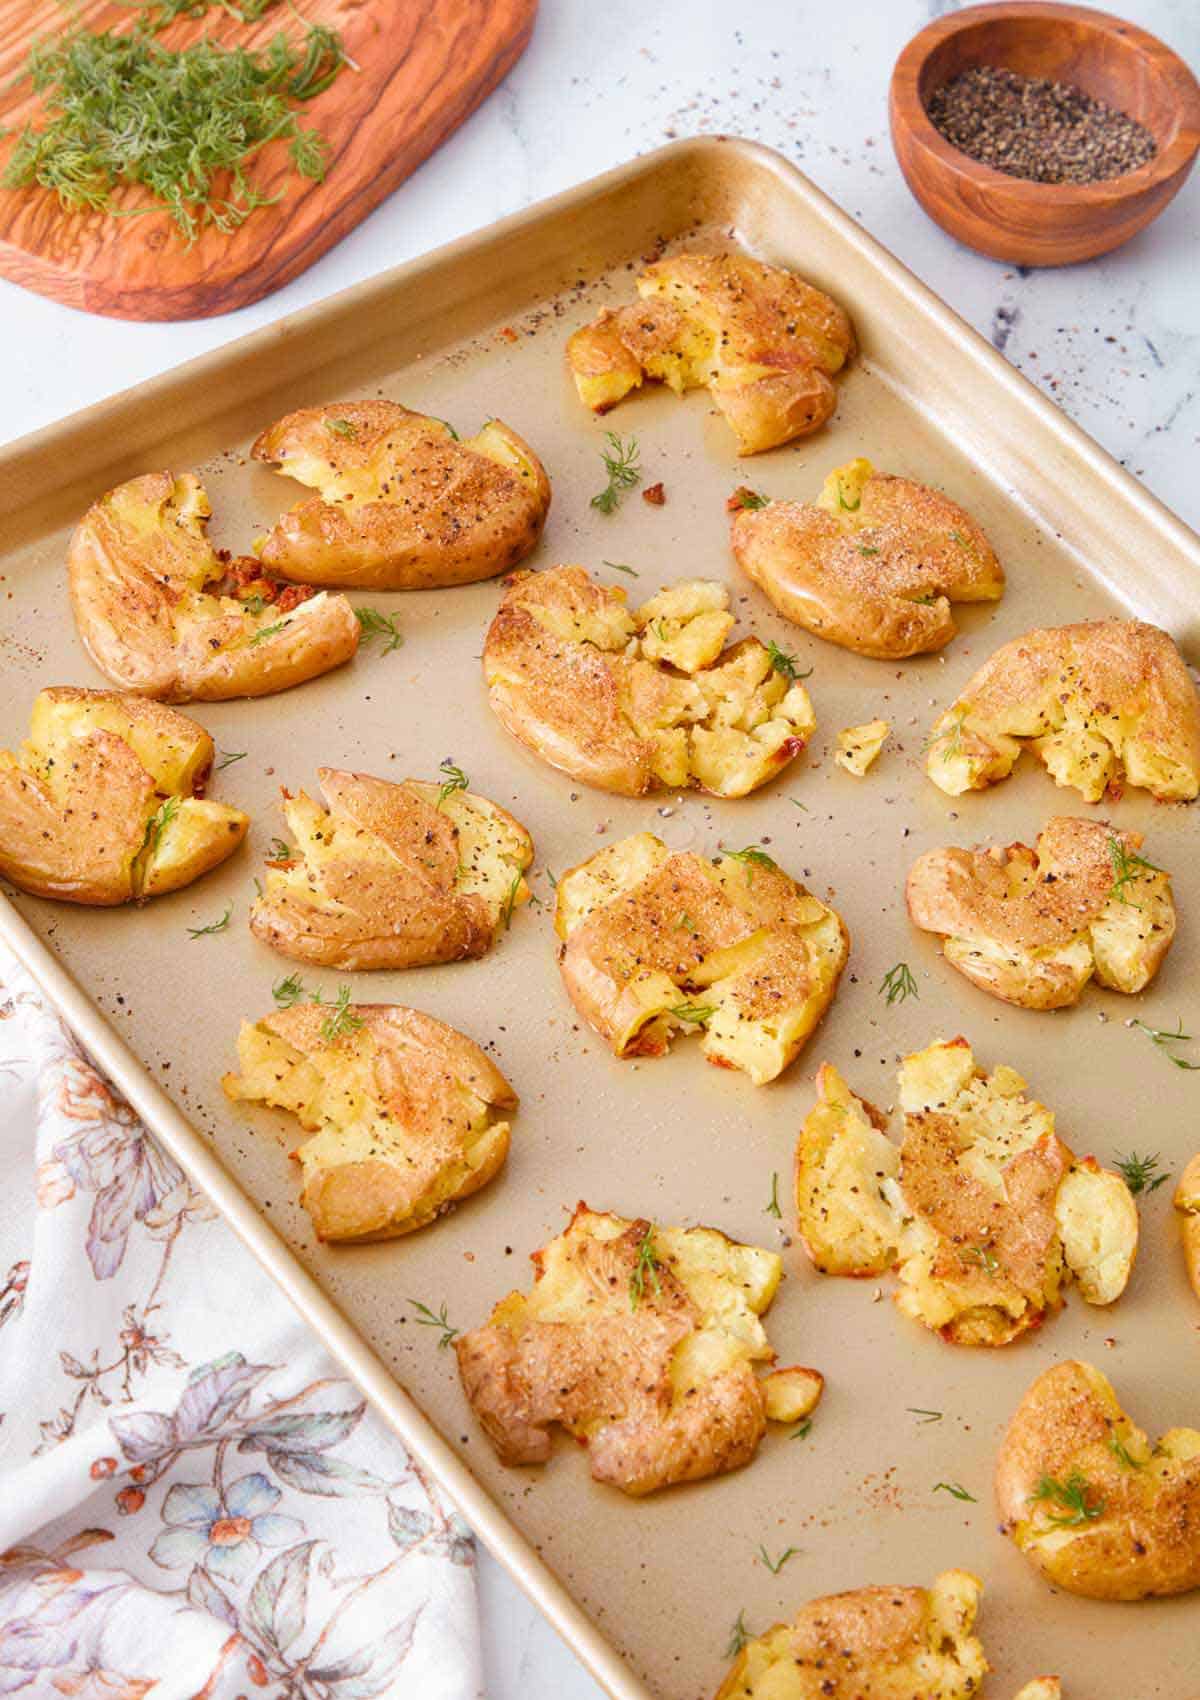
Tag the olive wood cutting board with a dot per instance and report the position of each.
(420, 67)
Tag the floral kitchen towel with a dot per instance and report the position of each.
(194, 1504)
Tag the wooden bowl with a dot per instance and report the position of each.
(1044, 224)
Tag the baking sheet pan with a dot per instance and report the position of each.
(647, 1592)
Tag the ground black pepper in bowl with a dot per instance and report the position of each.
(1031, 127)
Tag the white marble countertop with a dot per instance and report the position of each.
(1116, 343)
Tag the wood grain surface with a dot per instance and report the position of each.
(1044, 224)
(421, 67)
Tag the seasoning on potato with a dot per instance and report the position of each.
(658, 943)
(764, 343)
(983, 1210)
(103, 803)
(161, 612)
(641, 1341)
(1093, 1505)
(1099, 703)
(638, 700)
(407, 1117)
(392, 875)
(873, 564)
(402, 503)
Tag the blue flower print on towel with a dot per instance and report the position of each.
(225, 1532)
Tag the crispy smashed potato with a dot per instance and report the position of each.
(103, 802)
(882, 1643)
(1099, 703)
(392, 876)
(640, 1341)
(407, 1116)
(1087, 1498)
(161, 612)
(873, 564)
(1187, 1202)
(402, 503)
(763, 342)
(983, 1210)
(657, 943)
(858, 746)
(1034, 926)
(634, 701)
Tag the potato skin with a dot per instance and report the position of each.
(139, 566)
(378, 879)
(1187, 1202)
(428, 510)
(1099, 703)
(1141, 1534)
(763, 342)
(115, 762)
(877, 577)
(1032, 927)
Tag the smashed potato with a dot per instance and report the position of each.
(858, 746)
(103, 802)
(407, 1116)
(1089, 1501)
(161, 612)
(402, 502)
(763, 342)
(873, 564)
(983, 1210)
(1034, 926)
(640, 1341)
(1187, 1202)
(657, 943)
(392, 876)
(1097, 703)
(890, 1643)
(635, 700)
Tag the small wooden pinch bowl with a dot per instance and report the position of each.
(1044, 224)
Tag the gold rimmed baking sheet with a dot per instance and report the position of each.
(647, 1592)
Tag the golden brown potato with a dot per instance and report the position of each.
(392, 876)
(104, 801)
(870, 1644)
(1089, 1501)
(637, 1339)
(407, 1116)
(762, 341)
(1098, 703)
(1033, 926)
(162, 613)
(983, 1210)
(873, 564)
(656, 943)
(858, 746)
(1187, 1202)
(633, 701)
(402, 503)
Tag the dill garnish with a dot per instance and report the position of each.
(1072, 1496)
(1127, 867)
(1164, 1038)
(1138, 1172)
(747, 498)
(228, 760)
(510, 901)
(772, 1205)
(341, 1020)
(119, 109)
(1122, 1454)
(455, 780)
(158, 823)
(621, 462)
(279, 851)
(784, 663)
(956, 1491)
(620, 567)
(288, 991)
(265, 632)
(645, 1264)
(899, 984)
(738, 1636)
(427, 1318)
(373, 624)
(775, 1565)
(983, 1255)
(213, 926)
(803, 1431)
(925, 1415)
(341, 427)
(752, 856)
(696, 1013)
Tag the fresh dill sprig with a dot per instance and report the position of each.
(1122, 1454)
(341, 1020)
(622, 462)
(898, 984)
(685, 924)
(265, 632)
(738, 1635)
(1139, 1172)
(753, 856)
(373, 624)
(158, 823)
(744, 497)
(803, 1431)
(510, 901)
(427, 1318)
(771, 1207)
(1072, 1496)
(956, 1491)
(785, 664)
(983, 1255)
(228, 758)
(847, 507)
(213, 926)
(121, 110)
(695, 1013)
(620, 567)
(645, 1265)
(1127, 867)
(341, 427)
(866, 550)
(924, 1415)
(289, 991)
(455, 780)
(951, 736)
(775, 1565)
(279, 851)
(1164, 1038)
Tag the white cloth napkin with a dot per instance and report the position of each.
(194, 1504)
